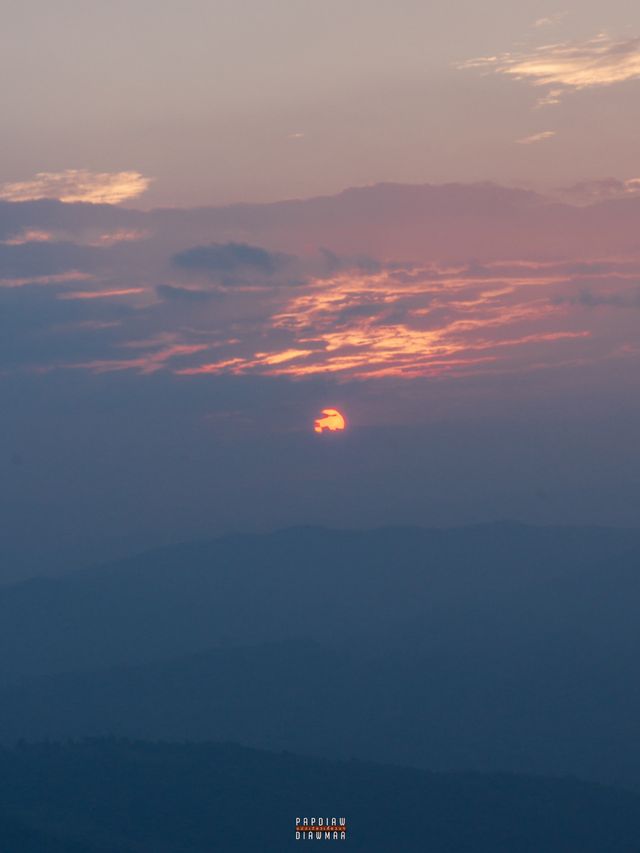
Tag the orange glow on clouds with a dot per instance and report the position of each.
(568, 66)
(101, 294)
(331, 421)
(403, 321)
(78, 185)
(418, 322)
(29, 235)
(55, 278)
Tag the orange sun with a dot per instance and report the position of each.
(331, 421)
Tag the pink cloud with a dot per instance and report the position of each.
(418, 281)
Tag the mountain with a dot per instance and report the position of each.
(497, 648)
(409, 589)
(558, 716)
(135, 797)
(16, 837)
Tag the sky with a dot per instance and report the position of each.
(217, 220)
(216, 102)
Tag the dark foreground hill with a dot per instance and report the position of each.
(557, 716)
(134, 797)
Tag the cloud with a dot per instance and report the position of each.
(537, 137)
(381, 223)
(101, 294)
(225, 259)
(172, 293)
(588, 192)
(156, 354)
(31, 235)
(85, 237)
(39, 330)
(334, 263)
(55, 278)
(568, 66)
(439, 321)
(25, 260)
(622, 299)
(550, 20)
(121, 235)
(390, 281)
(78, 185)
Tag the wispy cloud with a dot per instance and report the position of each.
(156, 358)
(588, 192)
(93, 238)
(550, 20)
(537, 137)
(78, 185)
(29, 235)
(54, 278)
(100, 294)
(120, 235)
(568, 66)
(229, 260)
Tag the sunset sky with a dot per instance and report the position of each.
(218, 219)
(216, 102)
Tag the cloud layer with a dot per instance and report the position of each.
(467, 281)
(230, 259)
(78, 185)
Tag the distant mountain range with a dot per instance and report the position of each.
(108, 796)
(382, 588)
(498, 647)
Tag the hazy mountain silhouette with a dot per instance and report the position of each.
(563, 715)
(502, 647)
(401, 588)
(134, 797)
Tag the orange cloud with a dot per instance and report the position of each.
(370, 326)
(550, 20)
(55, 278)
(29, 235)
(148, 363)
(537, 137)
(100, 294)
(78, 185)
(566, 66)
(121, 235)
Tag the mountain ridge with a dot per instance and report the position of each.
(128, 796)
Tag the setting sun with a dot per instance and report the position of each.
(331, 421)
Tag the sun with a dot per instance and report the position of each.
(331, 421)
